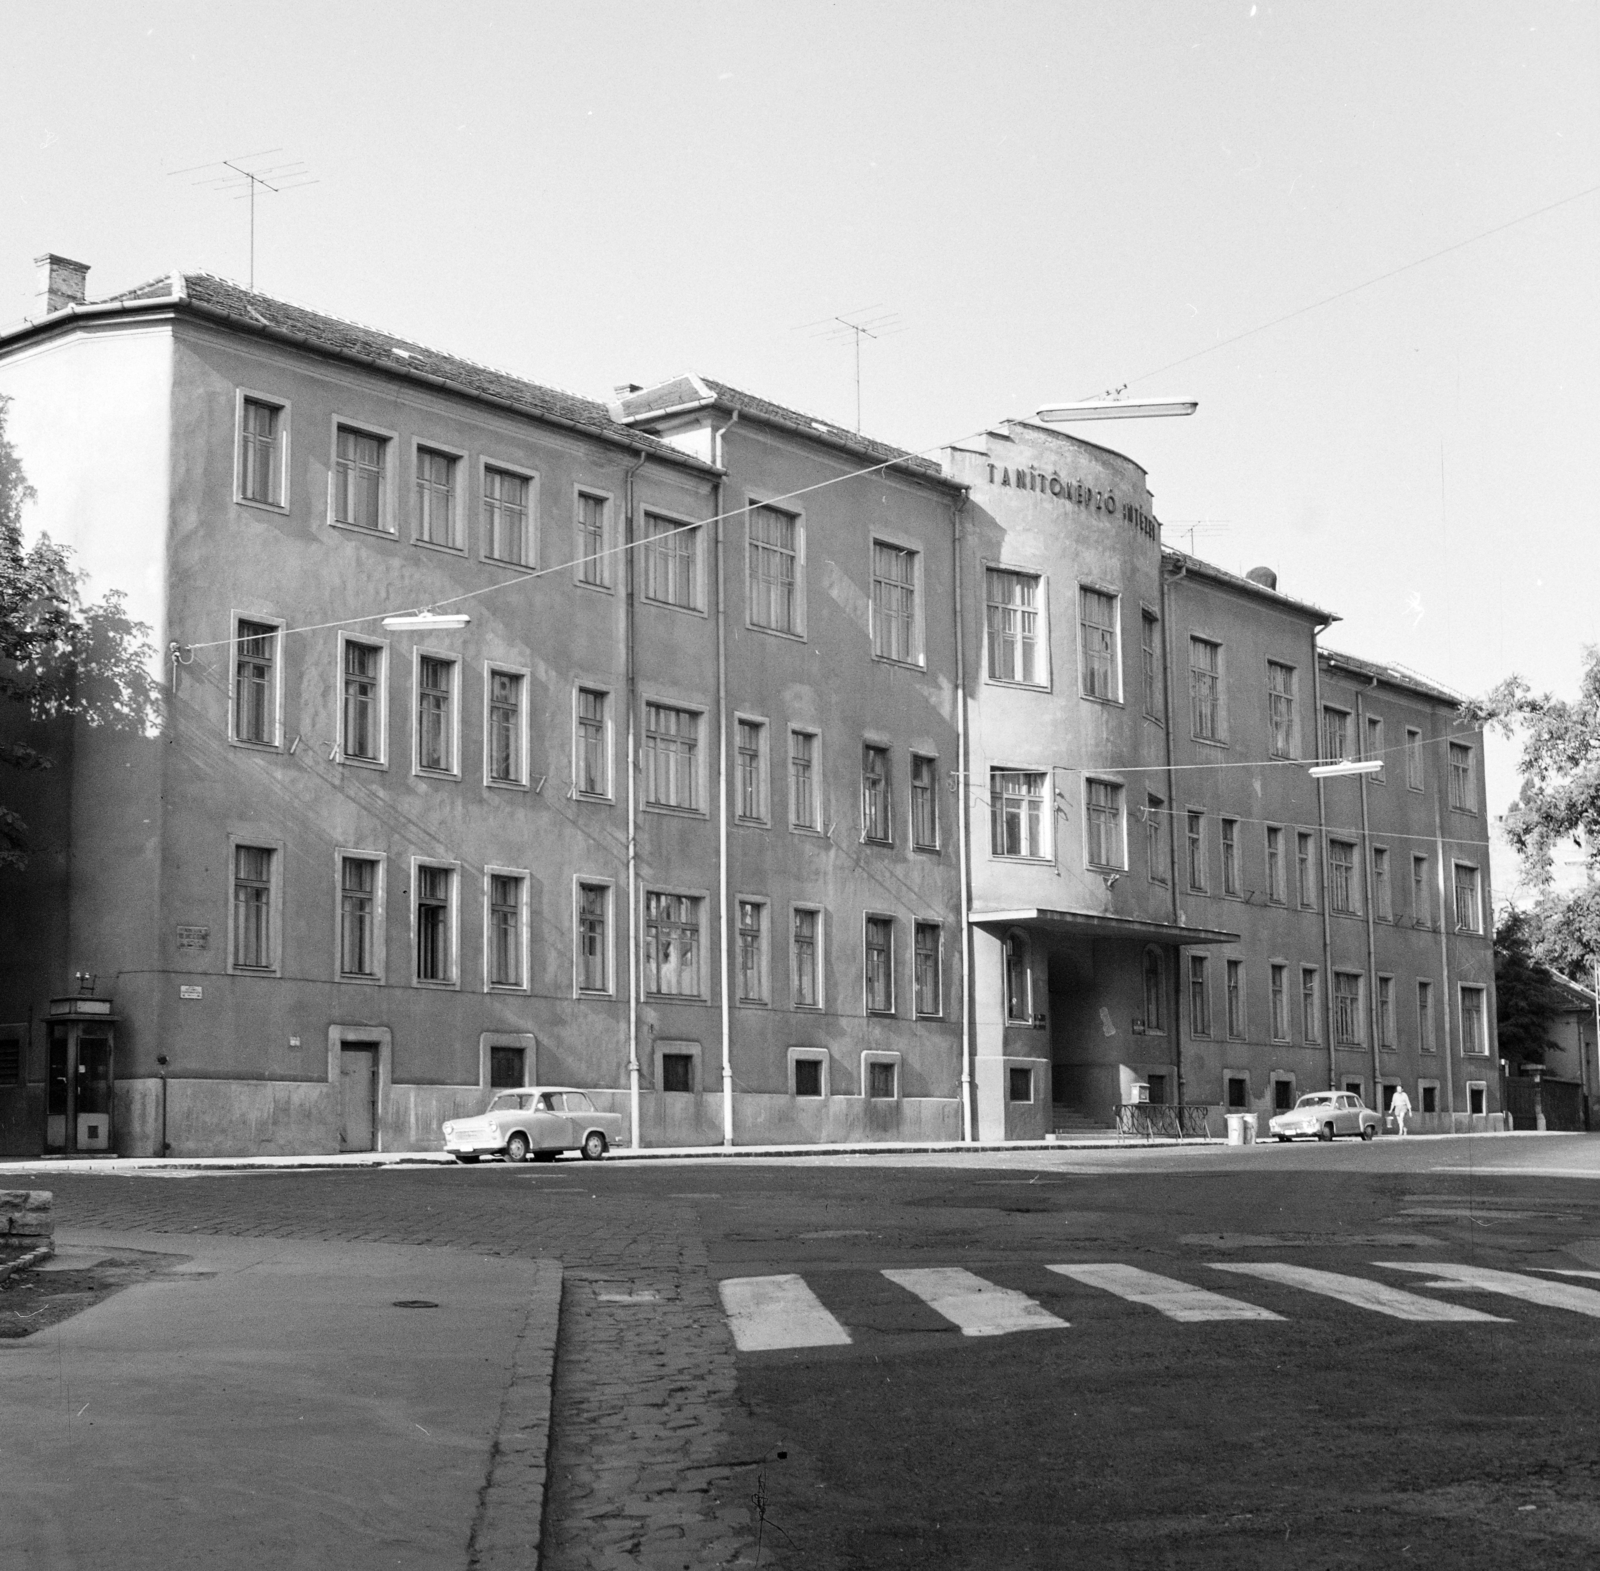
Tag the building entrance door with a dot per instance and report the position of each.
(358, 1095)
(79, 1079)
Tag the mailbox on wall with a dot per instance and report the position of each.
(79, 1077)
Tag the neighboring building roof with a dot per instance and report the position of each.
(691, 391)
(1581, 997)
(218, 299)
(1395, 676)
(1193, 567)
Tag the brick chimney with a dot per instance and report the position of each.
(62, 282)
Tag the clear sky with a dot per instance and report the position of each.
(1051, 200)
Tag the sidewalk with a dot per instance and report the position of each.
(270, 1402)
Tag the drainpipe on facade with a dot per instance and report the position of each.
(1322, 860)
(631, 681)
(725, 946)
(1172, 824)
(1444, 961)
(963, 811)
(1372, 932)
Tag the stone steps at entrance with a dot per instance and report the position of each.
(1069, 1121)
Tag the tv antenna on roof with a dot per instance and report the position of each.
(237, 175)
(869, 322)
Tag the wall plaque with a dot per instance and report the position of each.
(194, 938)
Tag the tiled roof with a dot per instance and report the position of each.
(1202, 569)
(1395, 676)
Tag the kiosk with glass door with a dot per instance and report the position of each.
(79, 1077)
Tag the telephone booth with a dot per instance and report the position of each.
(79, 1078)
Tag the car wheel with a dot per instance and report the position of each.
(594, 1146)
(1326, 1132)
(466, 1156)
(517, 1148)
(1283, 1139)
(1368, 1131)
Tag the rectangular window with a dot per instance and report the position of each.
(505, 731)
(594, 565)
(255, 683)
(1425, 1039)
(435, 924)
(1277, 873)
(1347, 1008)
(774, 570)
(1306, 869)
(1461, 792)
(1099, 673)
(929, 985)
(1474, 1041)
(363, 702)
(360, 463)
(358, 916)
(1310, 1008)
(1469, 912)
(436, 498)
(1205, 689)
(1019, 1084)
(750, 772)
(1155, 838)
(882, 1081)
(252, 908)
(1012, 622)
(1375, 746)
(752, 952)
(804, 808)
(877, 819)
(1016, 813)
(880, 965)
(594, 938)
(807, 958)
(1382, 899)
(1282, 1095)
(1196, 839)
(1235, 980)
(1230, 857)
(1413, 758)
(924, 802)
(1279, 979)
(671, 757)
(1343, 895)
(894, 603)
(1335, 735)
(1238, 1091)
(1386, 1011)
(1103, 815)
(260, 452)
(1150, 654)
(672, 944)
(1420, 906)
(1280, 708)
(671, 562)
(808, 1077)
(1199, 997)
(1477, 1096)
(505, 930)
(436, 681)
(1154, 991)
(506, 535)
(677, 1072)
(592, 771)
(1018, 980)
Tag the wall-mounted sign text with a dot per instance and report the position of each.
(187, 991)
(194, 938)
(1077, 493)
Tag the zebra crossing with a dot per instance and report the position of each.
(772, 1313)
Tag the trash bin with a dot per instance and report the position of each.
(1241, 1129)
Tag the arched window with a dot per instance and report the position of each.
(1018, 1000)
(1153, 989)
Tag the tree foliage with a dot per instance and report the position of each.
(1526, 1000)
(59, 657)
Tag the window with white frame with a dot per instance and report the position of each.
(879, 964)
(436, 714)
(1462, 796)
(1347, 1008)
(810, 1073)
(592, 743)
(774, 570)
(593, 520)
(437, 514)
(1374, 747)
(752, 936)
(1018, 979)
(255, 682)
(924, 802)
(894, 603)
(262, 428)
(877, 815)
(1205, 689)
(671, 562)
(1155, 989)
(362, 728)
(1281, 708)
(1421, 906)
(928, 984)
(1414, 778)
(1099, 645)
(1230, 857)
(507, 516)
(254, 927)
(1469, 908)
(1343, 891)
(1310, 1006)
(671, 757)
(1277, 872)
(360, 916)
(360, 479)
(1150, 656)
(1306, 869)
(883, 1078)
(507, 928)
(1199, 997)
(594, 937)
(805, 958)
(1425, 1036)
(1011, 617)
(1335, 734)
(805, 808)
(1386, 1011)
(750, 771)
(1474, 1023)
(1195, 841)
(1103, 820)
(435, 917)
(1234, 980)
(672, 944)
(1155, 838)
(1382, 896)
(506, 733)
(1017, 823)
(1278, 995)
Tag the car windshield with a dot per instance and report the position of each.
(1316, 1099)
(577, 1102)
(508, 1102)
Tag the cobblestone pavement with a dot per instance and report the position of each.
(647, 1463)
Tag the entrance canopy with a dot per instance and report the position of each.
(1094, 924)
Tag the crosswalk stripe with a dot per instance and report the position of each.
(767, 1312)
(1510, 1284)
(1357, 1290)
(1176, 1300)
(978, 1307)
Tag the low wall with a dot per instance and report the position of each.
(27, 1222)
(1456, 1123)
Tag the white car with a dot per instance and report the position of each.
(536, 1121)
(1326, 1114)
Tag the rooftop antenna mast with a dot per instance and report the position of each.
(242, 175)
(868, 322)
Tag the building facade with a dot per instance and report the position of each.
(718, 749)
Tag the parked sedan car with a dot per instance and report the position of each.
(1326, 1114)
(537, 1121)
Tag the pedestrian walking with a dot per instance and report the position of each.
(1400, 1107)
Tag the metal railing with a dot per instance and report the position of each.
(1172, 1120)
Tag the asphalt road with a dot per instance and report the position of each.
(1319, 1402)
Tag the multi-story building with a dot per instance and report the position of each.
(690, 750)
